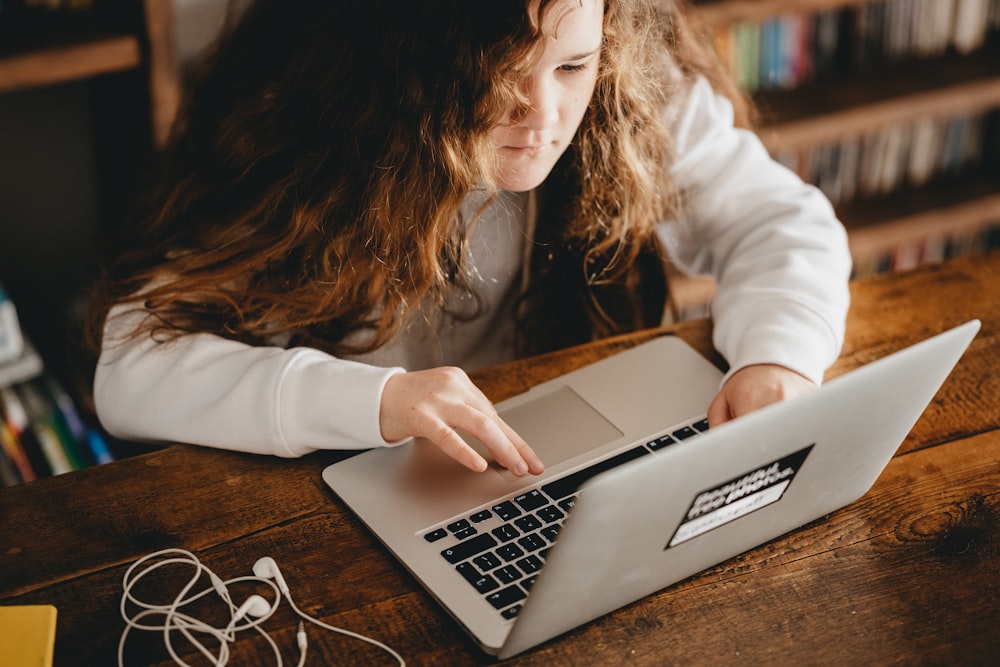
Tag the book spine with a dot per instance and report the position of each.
(51, 448)
(8, 473)
(770, 75)
(99, 447)
(43, 436)
(17, 421)
(970, 25)
(94, 448)
(14, 451)
(44, 418)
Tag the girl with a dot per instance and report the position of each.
(363, 197)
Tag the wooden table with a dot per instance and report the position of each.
(909, 574)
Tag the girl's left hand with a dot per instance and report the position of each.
(754, 387)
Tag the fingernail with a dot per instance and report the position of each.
(520, 468)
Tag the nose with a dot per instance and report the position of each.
(543, 105)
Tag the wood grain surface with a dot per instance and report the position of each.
(909, 574)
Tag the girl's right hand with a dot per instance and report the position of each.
(435, 403)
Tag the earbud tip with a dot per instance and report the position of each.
(264, 567)
(257, 606)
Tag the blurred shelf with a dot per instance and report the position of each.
(64, 56)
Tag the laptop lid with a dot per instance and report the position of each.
(643, 523)
(700, 502)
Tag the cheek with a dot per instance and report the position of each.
(583, 96)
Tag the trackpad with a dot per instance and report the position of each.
(558, 426)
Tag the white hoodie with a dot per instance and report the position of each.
(773, 243)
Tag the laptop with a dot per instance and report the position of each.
(637, 489)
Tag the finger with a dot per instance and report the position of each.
(718, 410)
(452, 444)
(527, 454)
(488, 429)
(506, 446)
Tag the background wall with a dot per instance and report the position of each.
(51, 192)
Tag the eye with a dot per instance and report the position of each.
(574, 68)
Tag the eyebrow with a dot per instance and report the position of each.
(581, 56)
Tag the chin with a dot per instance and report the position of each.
(523, 180)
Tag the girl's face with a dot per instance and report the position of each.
(558, 91)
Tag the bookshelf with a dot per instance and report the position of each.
(108, 38)
(118, 58)
(42, 433)
(845, 84)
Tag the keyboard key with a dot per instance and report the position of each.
(468, 531)
(528, 583)
(529, 565)
(479, 517)
(486, 561)
(551, 532)
(701, 426)
(506, 597)
(458, 526)
(550, 514)
(506, 510)
(531, 500)
(483, 583)
(511, 612)
(532, 542)
(568, 485)
(568, 503)
(661, 442)
(510, 552)
(469, 548)
(528, 523)
(508, 574)
(505, 532)
(436, 535)
(684, 433)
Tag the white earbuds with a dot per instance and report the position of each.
(266, 568)
(249, 615)
(176, 617)
(255, 606)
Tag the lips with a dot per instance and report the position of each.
(526, 150)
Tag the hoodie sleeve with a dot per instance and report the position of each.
(772, 242)
(207, 390)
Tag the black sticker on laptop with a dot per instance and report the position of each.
(738, 497)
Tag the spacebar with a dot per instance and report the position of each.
(569, 484)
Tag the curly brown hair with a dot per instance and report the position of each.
(313, 183)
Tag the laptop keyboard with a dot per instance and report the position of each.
(499, 550)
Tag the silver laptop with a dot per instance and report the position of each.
(655, 495)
